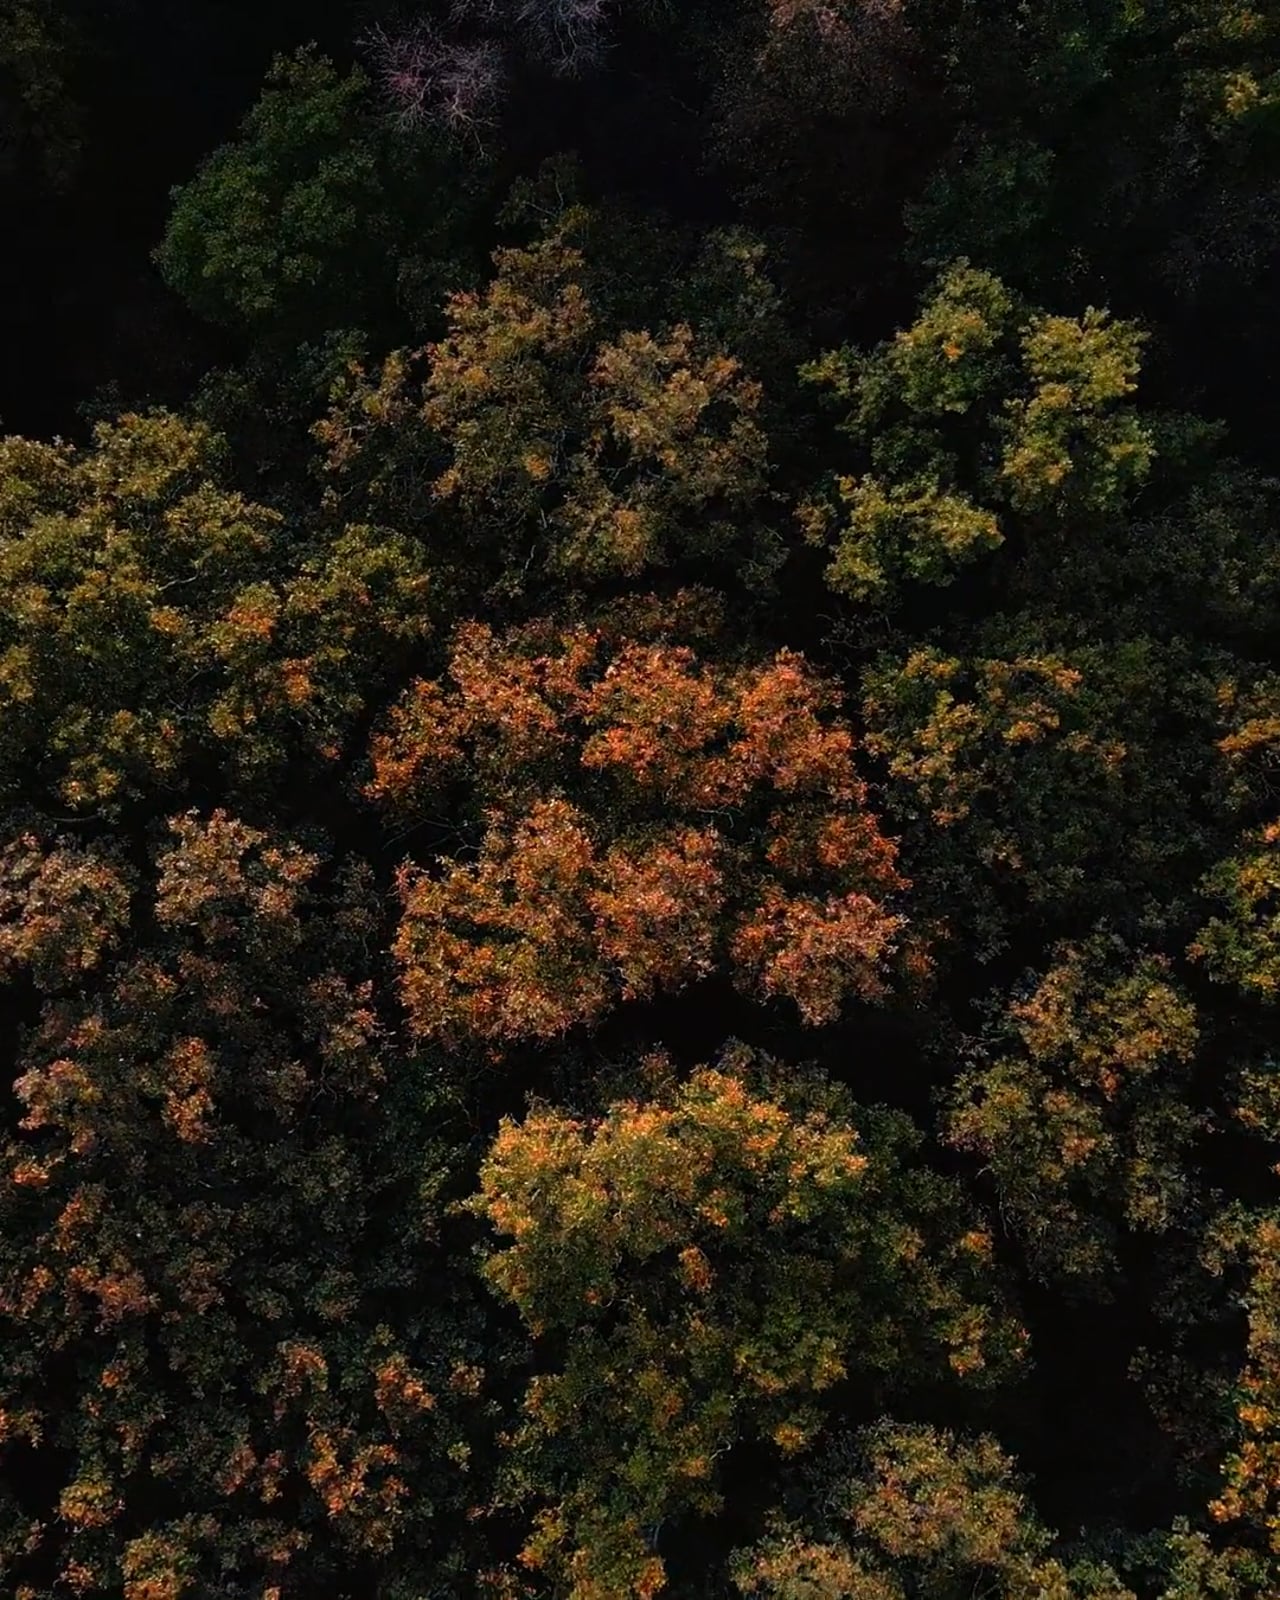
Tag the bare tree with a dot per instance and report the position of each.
(428, 78)
(453, 75)
(568, 35)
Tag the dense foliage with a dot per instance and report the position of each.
(640, 800)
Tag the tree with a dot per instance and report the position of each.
(1242, 943)
(822, 119)
(980, 418)
(1010, 454)
(913, 1510)
(698, 1267)
(420, 742)
(319, 216)
(546, 434)
(160, 622)
(649, 817)
(1046, 778)
(1173, 110)
(1080, 1108)
(227, 1356)
(40, 119)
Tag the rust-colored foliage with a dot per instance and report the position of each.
(1250, 1494)
(1242, 943)
(62, 908)
(516, 726)
(651, 817)
(192, 1246)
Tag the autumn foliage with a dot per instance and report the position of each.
(187, 1201)
(712, 1259)
(640, 801)
(727, 829)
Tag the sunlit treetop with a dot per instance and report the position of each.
(701, 1266)
(553, 440)
(983, 416)
(644, 817)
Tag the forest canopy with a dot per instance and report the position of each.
(640, 800)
